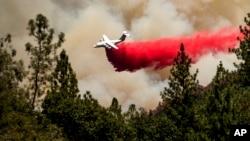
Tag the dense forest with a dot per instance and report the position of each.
(49, 106)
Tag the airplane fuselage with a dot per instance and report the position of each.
(98, 45)
(105, 42)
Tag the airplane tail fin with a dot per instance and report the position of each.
(124, 35)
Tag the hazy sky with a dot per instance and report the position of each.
(84, 21)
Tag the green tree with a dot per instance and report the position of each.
(181, 82)
(129, 121)
(11, 71)
(116, 109)
(181, 97)
(61, 99)
(219, 106)
(27, 125)
(131, 113)
(64, 78)
(119, 123)
(81, 119)
(242, 74)
(12, 97)
(243, 53)
(151, 127)
(43, 54)
(226, 104)
(242, 104)
(17, 119)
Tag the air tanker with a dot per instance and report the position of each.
(107, 43)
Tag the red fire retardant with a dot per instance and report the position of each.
(132, 56)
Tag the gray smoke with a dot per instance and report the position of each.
(84, 21)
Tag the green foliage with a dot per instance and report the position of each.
(153, 127)
(61, 100)
(16, 125)
(242, 104)
(11, 71)
(243, 53)
(43, 54)
(224, 104)
(180, 98)
(115, 108)
(219, 106)
(63, 78)
(17, 120)
(81, 119)
(181, 81)
(131, 113)
(85, 119)
(11, 96)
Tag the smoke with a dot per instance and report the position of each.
(84, 21)
(159, 23)
(132, 56)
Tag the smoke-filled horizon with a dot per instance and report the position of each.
(84, 21)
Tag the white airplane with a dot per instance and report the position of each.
(107, 43)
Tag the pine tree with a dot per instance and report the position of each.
(131, 113)
(64, 90)
(181, 81)
(43, 55)
(243, 53)
(81, 119)
(18, 121)
(242, 74)
(11, 72)
(219, 107)
(64, 78)
(242, 104)
(180, 96)
(115, 108)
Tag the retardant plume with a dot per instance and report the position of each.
(132, 56)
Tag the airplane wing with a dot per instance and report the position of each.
(112, 45)
(115, 41)
(106, 39)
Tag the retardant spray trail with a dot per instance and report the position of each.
(160, 53)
